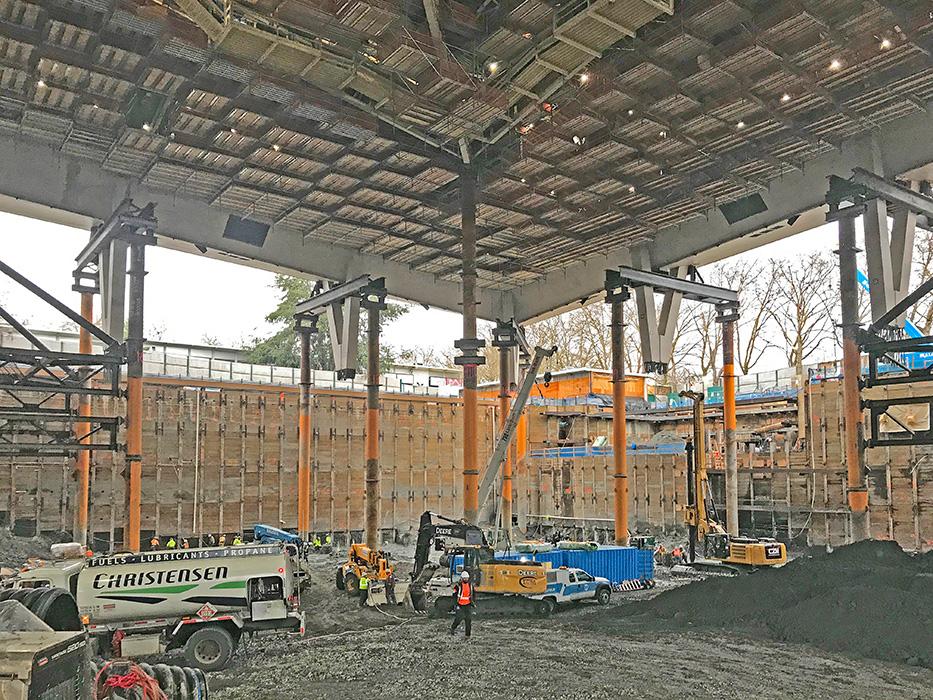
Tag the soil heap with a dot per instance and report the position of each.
(869, 599)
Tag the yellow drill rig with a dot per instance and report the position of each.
(720, 548)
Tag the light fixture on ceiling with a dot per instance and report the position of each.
(631, 112)
(40, 83)
(631, 189)
(232, 130)
(95, 106)
(527, 35)
(662, 133)
(172, 136)
(785, 97)
(524, 181)
(740, 124)
(885, 43)
(147, 127)
(492, 67)
(584, 78)
(553, 193)
(835, 64)
(579, 140)
(276, 147)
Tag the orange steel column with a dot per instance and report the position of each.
(851, 375)
(468, 245)
(373, 495)
(728, 412)
(618, 425)
(134, 397)
(83, 466)
(505, 379)
(304, 433)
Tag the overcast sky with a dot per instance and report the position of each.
(190, 298)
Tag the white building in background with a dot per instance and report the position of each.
(232, 365)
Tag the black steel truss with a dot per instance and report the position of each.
(41, 389)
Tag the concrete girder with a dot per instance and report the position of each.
(795, 204)
(64, 189)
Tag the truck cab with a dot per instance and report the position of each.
(569, 585)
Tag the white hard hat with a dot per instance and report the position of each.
(465, 575)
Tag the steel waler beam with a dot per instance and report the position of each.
(616, 295)
(851, 375)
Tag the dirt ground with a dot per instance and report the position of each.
(349, 653)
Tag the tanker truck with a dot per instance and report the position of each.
(199, 600)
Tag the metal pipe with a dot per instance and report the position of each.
(134, 397)
(304, 433)
(618, 425)
(373, 495)
(505, 380)
(851, 371)
(83, 462)
(728, 396)
(468, 245)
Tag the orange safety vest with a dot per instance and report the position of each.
(466, 594)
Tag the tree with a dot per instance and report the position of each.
(755, 285)
(801, 305)
(281, 348)
(427, 356)
(922, 314)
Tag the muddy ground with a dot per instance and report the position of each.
(350, 653)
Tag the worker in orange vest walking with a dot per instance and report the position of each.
(464, 601)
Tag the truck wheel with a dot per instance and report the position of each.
(352, 584)
(341, 585)
(209, 648)
(602, 596)
(545, 607)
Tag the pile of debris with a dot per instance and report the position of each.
(870, 599)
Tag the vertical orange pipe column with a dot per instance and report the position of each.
(505, 380)
(728, 412)
(134, 398)
(373, 495)
(851, 374)
(618, 424)
(83, 465)
(304, 433)
(468, 245)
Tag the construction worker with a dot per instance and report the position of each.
(184, 543)
(316, 542)
(223, 540)
(154, 543)
(171, 544)
(364, 589)
(464, 602)
(211, 540)
(327, 541)
(390, 588)
(236, 540)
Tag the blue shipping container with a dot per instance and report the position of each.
(614, 563)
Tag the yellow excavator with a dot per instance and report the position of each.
(721, 550)
(360, 559)
(502, 585)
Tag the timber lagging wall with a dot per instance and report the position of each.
(222, 457)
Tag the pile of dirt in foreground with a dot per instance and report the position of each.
(870, 599)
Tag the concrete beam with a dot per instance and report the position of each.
(61, 188)
(906, 144)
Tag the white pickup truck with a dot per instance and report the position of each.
(566, 585)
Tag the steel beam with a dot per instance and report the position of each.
(371, 447)
(893, 191)
(304, 432)
(320, 302)
(619, 457)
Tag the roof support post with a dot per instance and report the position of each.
(112, 273)
(373, 495)
(728, 317)
(134, 398)
(903, 232)
(616, 296)
(343, 320)
(82, 430)
(469, 344)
